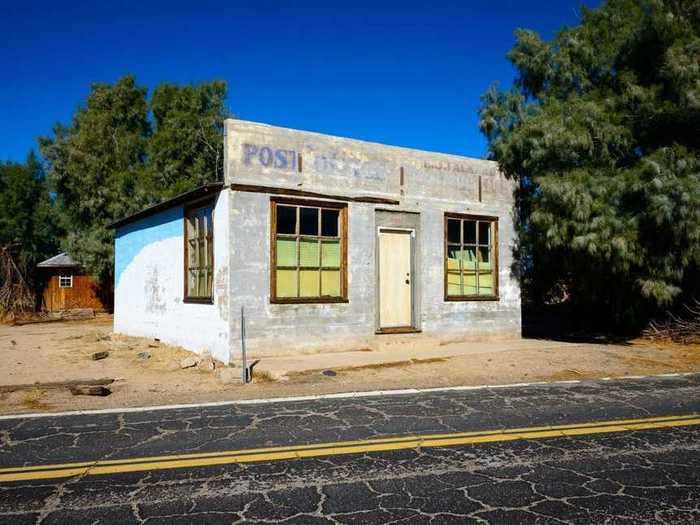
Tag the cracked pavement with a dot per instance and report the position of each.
(631, 477)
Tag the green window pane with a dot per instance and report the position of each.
(330, 254)
(453, 254)
(485, 283)
(308, 253)
(286, 283)
(469, 256)
(469, 282)
(484, 258)
(453, 284)
(309, 283)
(330, 283)
(286, 252)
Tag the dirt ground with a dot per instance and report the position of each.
(39, 359)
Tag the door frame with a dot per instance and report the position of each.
(398, 329)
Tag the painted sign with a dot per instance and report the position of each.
(283, 159)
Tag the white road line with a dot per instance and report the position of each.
(342, 395)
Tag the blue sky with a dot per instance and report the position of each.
(401, 73)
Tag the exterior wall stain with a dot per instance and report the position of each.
(154, 293)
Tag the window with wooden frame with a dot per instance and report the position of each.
(308, 251)
(199, 253)
(471, 258)
(65, 280)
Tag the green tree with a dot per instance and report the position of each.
(602, 129)
(96, 168)
(27, 214)
(186, 149)
(114, 159)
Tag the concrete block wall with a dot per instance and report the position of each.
(283, 328)
(149, 283)
(428, 184)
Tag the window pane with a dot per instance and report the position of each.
(484, 232)
(201, 283)
(484, 258)
(330, 254)
(469, 273)
(453, 230)
(485, 283)
(453, 255)
(329, 223)
(286, 219)
(308, 252)
(453, 284)
(192, 283)
(469, 256)
(330, 283)
(286, 283)
(309, 283)
(309, 221)
(286, 252)
(469, 282)
(469, 231)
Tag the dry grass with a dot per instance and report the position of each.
(263, 376)
(33, 400)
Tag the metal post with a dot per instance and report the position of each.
(244, 371)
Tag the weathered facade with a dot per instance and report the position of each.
(327, 243)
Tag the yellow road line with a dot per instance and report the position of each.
(204, 459)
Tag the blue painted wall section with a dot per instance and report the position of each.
(130, 239)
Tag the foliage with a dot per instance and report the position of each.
(114, 159)
(27, 221)
(602, 130)
(186, 149)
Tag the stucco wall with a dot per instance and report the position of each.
(428, 184)
(149, 283)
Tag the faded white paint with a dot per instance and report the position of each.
(148, 295)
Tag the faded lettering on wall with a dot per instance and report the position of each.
(283, 159)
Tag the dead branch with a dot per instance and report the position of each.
(683, 327)
(16, 296)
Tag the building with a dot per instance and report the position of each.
(65, 286)
(328, 244)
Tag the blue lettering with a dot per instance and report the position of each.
(265, 156)
(248, 151)
(280, 159)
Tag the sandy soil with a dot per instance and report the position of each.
(38, 354)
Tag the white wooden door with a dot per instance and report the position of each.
(395, 279)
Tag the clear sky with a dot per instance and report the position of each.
(401, 73)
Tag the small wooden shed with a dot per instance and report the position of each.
(66, 286)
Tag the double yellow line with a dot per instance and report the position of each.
(207, 459)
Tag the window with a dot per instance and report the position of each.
(308, 259)
(471, 257)
(199, 254)
(65, 281)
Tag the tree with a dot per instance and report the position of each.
(186, 149)
(27, 215)
(113, 159)
(96, 168)
(602, 130)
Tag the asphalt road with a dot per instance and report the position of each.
(627, 476)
